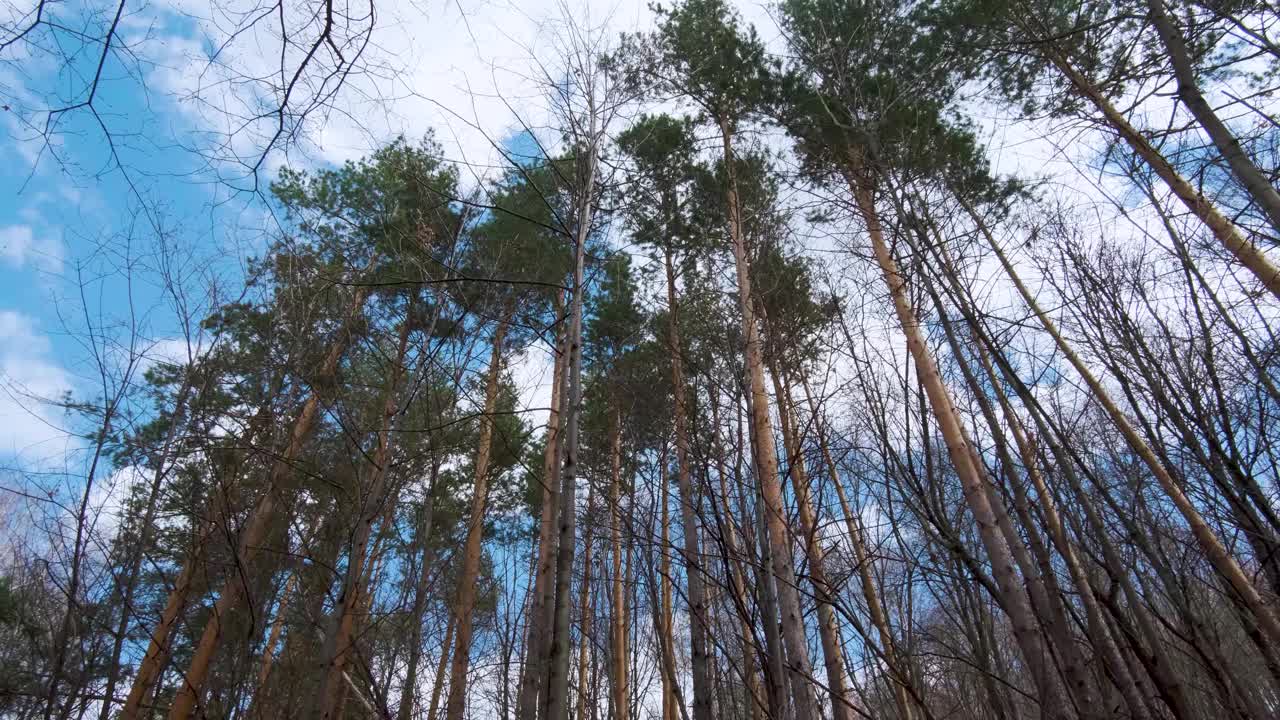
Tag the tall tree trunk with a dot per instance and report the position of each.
(618, 650)
(338, 645)
(688, 509)
(584, 615)
(899, 676)
(665, 640)
(972, 477)
(766, 459)
(426, 519)
(161, 463)
(828, 625)
(556, 700)
(1213, 548)
(236, 589)
(437, 686)
(533, 676)
(472, 550)
(1252, 258)
(158, 650)
(1254, 182)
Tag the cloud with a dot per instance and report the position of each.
(29, 377)
(21, 246)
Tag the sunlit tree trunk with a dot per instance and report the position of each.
(251, 536)
(472, 551)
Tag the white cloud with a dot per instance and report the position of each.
(29, 376)
(21, 246)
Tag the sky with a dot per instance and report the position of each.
(154, 175)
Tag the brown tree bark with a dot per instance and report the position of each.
(618, 651)
(533, 676)
(1213, 548)
(1254, 182)
(473, 549)
(235, 590)
(688, 509)
(338, 644)
(973, 478)
(766, 459)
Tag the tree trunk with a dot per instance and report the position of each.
(688, 510)
(533, 677)
(556, 700)
(425, 521)
(618, 611)
(899, 676)
(1223, 230)
(235, 591)
(1213, 548)
(338, 645)
(473, 550)
(584, 615)
(1254, 182)
(828, 627)
(766, 460)
(972, 477)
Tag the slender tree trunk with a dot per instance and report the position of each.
(338, 645)
(1254, 259)
(442, 668)
(828, 626)
(473, 550)
(1213, 548)
(899, 676)
(766, 460)
(235, 591)
(556, 701)
(533, 677)
(688, 510)
(584, 616)
(1257, 185)
(425, 521)
(618, 627)
(664, 574)
(972, 477)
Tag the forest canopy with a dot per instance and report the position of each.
(751, 383)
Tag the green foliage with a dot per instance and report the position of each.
(700, 52)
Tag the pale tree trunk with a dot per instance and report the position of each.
(425, 521)
(235, 591)
(533, 676)
(735, 570)
(1213, 548)
(472, 550)
(1252, 258)
(1254, 182)
(338, 645)
(442, 668)
(973, 478)
(688, 510)
(556, 700)
(828, 627)
(766, 461)
(584, 615)
(163, 463)
(1097, 625)
(618, 627)
(899, 675)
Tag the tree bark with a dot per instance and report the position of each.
(473, 549)
(1213, 548)
(1254, 182)
(766, 459)
(235, 591)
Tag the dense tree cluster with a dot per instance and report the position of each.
(928, 443)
